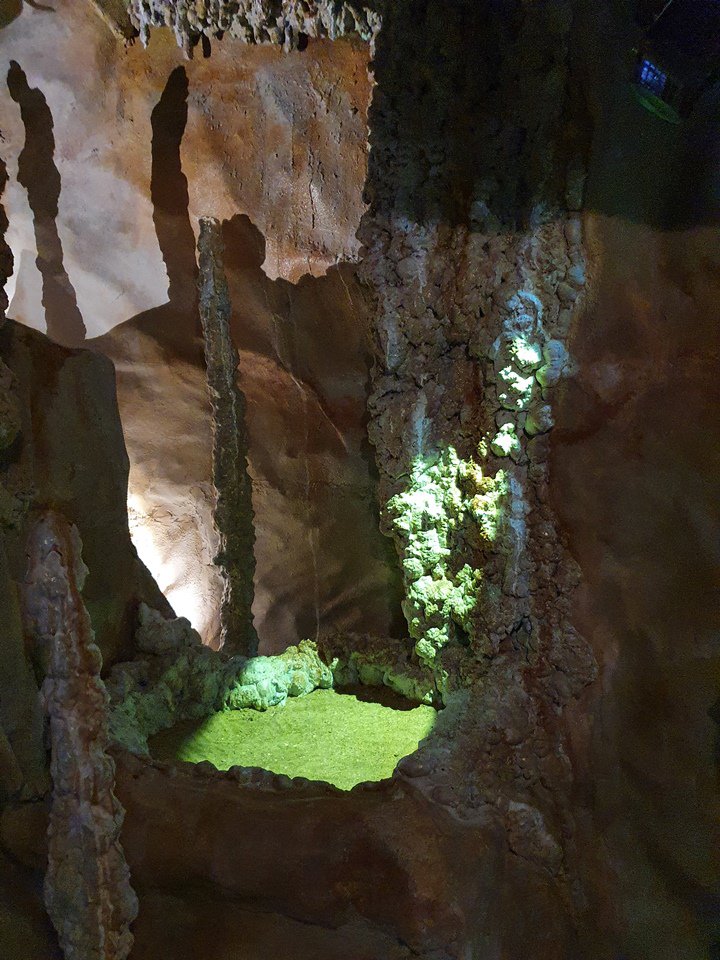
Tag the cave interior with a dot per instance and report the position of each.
(359, 479)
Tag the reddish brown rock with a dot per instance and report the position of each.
(87, 884)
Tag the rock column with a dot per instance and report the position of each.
(233, 487)
(87, 883)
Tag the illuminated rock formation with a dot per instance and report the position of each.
(256, 21)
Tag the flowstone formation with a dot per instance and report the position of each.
(286, 22)
(87, 883)
(448, 509)
(176, 678)
(233, 488)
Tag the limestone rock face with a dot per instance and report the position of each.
(636, 471)
(87, 883)
(279, 137)
(69, 419)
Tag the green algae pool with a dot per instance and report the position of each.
(325, 735)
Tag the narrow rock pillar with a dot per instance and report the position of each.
(233, 486)
(87, 883)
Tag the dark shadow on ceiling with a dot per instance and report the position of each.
(474, 121)
(9, 10)
(176, 323)
(468, 110)
(169, 192)
(40, 177)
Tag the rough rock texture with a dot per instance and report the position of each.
(87, 883)
(635, 483)
(635, 468)
(233, 513)
(281, 137)
(287, 22)
(338, 858)
(475, 258)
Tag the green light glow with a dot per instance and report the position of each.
(322, 736)
(447, 506)
(518, 389)
(655, 105)
(527, 355)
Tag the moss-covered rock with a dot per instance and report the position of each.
(448, 510)
(179, 679)
(264, 682)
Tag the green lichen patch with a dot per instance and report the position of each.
(449, 512)
(265, 682)
(189, 681)
(322, 736)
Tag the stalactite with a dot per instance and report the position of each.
(87, 883)
(233, 507)
(284, 22)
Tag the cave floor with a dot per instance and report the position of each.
(325, 735)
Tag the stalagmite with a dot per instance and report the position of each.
(233, 507)
(87, 883)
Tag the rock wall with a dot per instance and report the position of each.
(476, 262)
(635, 486)
(69, 417)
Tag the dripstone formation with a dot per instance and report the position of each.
(233, 505)
(286, 22)
(87, 882)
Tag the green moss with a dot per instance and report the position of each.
(506, 443)
(322, 736)
(265, 682)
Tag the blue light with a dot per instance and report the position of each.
(652, 77)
